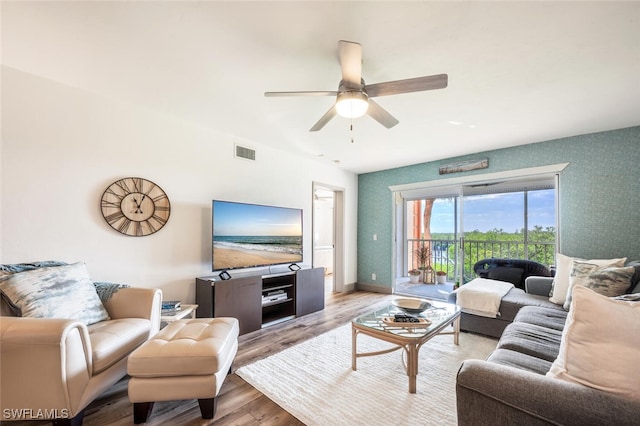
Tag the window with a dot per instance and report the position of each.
(462, 224)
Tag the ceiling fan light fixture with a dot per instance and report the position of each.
(352, 104)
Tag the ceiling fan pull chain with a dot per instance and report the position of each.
(351, 130)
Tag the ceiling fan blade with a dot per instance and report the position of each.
(381, 115)
(409, 85)
(324, 120)
(351, 64)
(308, 93)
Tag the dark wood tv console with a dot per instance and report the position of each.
(261, 300)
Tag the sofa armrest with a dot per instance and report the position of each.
(136, 302)
(494, 394)
(46, 364)
(540, 286)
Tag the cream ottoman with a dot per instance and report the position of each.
(188, 359)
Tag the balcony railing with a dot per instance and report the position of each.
(445, 252)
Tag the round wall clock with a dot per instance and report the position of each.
(135, 206)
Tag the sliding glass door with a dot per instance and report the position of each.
(520, 224)
(450, 229)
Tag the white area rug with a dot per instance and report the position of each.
(314, 381)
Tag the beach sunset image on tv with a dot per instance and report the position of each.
(249, 235)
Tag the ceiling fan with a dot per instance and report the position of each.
(353, 97)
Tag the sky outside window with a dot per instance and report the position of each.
(496, 211)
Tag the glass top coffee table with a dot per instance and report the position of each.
(407, 336)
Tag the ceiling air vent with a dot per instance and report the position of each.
(246, 153)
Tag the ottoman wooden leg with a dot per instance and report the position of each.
(208, 407)
(141, 411)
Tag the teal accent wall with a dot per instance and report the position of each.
(599, 191)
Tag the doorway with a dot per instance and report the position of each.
(328, 234)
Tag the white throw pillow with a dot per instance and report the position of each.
(55, 292)
(563, 269)
(608, 282)
(599, 346)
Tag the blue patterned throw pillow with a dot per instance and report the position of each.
(55, 292)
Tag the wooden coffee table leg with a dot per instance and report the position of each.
(456, 330)
(412, 366)
(354, 333)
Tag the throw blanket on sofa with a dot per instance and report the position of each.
(105, 289)
(482, 296)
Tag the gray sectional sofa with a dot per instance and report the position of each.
(510, 387)
(526, 292)
(536, 293)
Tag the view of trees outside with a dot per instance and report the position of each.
(494, 226)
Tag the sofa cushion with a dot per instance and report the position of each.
(563, 269)
(610, 282)
(600, 344)
(516, 298)
(55, 292)
(530, 339)
(520, 361)
(113, 340)
(544, 317)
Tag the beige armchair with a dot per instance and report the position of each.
(53, 368)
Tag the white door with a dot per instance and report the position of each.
(328, 234)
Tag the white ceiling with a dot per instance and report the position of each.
(519, 72)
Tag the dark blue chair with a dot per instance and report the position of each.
(514, 271)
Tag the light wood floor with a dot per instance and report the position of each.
(239, 403)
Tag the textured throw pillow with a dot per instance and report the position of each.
(563, 269)
(599, 346)
(608, 282)
(55, 292)
(632, 297)
(635, 281)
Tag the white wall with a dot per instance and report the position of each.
(61, 147)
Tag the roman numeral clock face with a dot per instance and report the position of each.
(135, 207)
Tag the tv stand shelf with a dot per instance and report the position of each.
(261, 300)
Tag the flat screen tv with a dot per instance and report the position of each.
(252, 235)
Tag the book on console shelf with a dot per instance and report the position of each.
(170, 311)
(170, 304)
